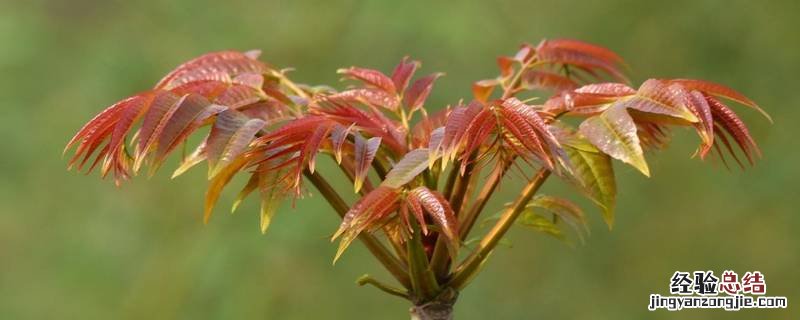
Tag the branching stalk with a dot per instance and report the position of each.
(367, 279)
(472, 263)
(389, 261)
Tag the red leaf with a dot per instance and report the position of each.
(663, 98)
(536, 79)
(212, 66)
(365, 151)
(187, 116)
(419, 91)
(730, 122)
(440, 212)
(231, 134)
(721, 91)
(403, 73)
(372, 207)
(375, 97)
(705, 127)
(370, 77)
(483, 89)
(611, 89)
(582, 55)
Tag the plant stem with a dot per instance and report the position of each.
(440, 260)
(471, 264)
(489, 186)
(423, 281)
(367, 279)
(389, 261)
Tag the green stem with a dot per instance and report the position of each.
(367, 279)
(489, 186)
(423, 280)
(440, 260)
(472, 264)
(389, 261)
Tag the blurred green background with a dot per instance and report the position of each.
(75, 247)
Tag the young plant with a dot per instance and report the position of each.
(435, 170)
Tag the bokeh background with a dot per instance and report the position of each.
(75, 247)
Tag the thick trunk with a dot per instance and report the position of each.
(434, 310)
(440, 308)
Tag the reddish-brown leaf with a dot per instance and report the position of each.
(370, 77)
(365, 151)
(483, 89)
(661, 98)
(730, 122)
(403, 73)
(419, 91)
(537, 79)
(213, 66)
(582, 55)
(375, 97)
(231, 134)
(187, 116)
(721, 91)
(372, 207)
(441, 214)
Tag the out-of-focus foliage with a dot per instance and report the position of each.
(143, 253)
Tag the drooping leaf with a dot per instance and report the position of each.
(705, 127)
(339, 135)
(164, 105)
(218, 183)
(564, 210)
(369, 209)
(735, 127)
(594, 174)
(252, 185)
(197, 156)
(614, 133)
(721, 91)
(231, 134)
(189, 114)
(365, 151)
(530, 219)
(273, 187)
(412, 164)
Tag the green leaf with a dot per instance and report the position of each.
(614, 133)
(218, 183)
(563, 210)
(539, 223)
(269, 184)
(412, 164)
(594, 174)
